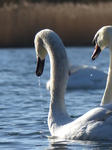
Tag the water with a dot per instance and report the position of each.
(24, 105)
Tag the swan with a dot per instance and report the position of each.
(96, 124)
(102, 39)
(84, 77)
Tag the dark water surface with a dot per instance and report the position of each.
(24, 100)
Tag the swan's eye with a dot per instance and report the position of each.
(95, 40)
(94, 43)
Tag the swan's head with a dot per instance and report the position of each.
(40, 52)
(102, 39)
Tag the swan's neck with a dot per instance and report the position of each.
(58, 81)
(107, 97)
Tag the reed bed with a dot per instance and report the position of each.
(76, 24)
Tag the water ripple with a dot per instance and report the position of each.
(24, 101)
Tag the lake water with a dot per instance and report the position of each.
(24, 100)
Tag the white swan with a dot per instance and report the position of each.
(84, 77)
(102, 39)
(95, 124)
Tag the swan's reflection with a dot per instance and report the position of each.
(62, 144)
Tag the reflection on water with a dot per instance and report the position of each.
(24, 101)
(70, 144)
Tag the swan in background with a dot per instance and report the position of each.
(84, 77)
(102, 39)
(95, 124)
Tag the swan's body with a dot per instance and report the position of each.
(102, 39)
(84, 77)
(95, 124)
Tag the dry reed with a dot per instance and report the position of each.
(76, 24)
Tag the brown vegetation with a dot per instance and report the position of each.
(76, 24)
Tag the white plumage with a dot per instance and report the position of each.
(95, 124)
(84, 77)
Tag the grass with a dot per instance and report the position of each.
(76, 24)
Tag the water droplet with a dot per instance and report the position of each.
(41, 132)
(39, 87)
(91, 75)
(39, 81)
(42, 107)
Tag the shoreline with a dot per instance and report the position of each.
(76, 24)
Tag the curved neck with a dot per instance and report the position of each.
(58, 81)
(107, 97)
